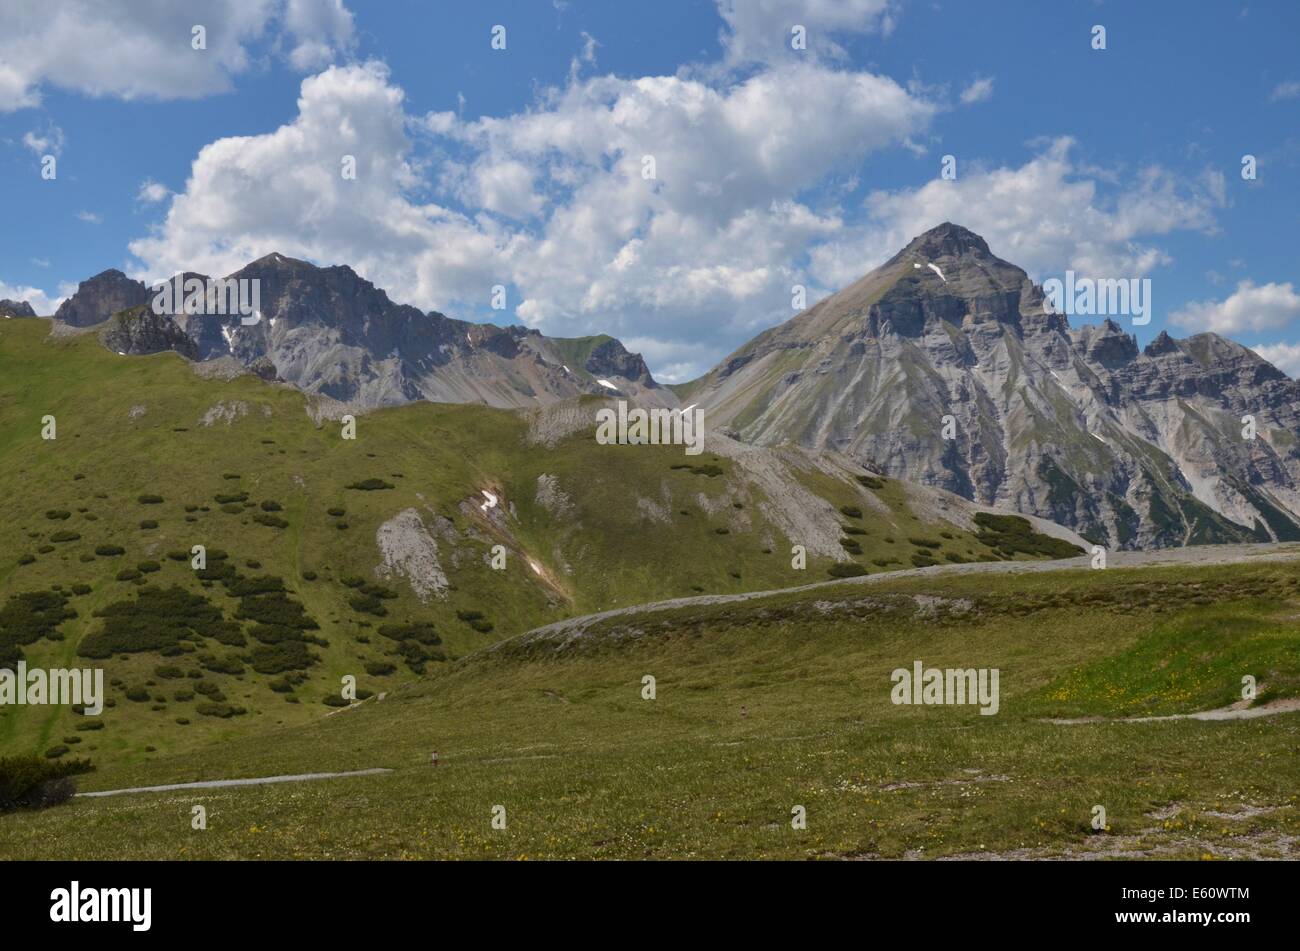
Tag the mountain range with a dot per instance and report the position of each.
(944, 366)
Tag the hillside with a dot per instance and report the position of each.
(372, 557)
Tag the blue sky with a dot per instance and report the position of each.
(521, 166)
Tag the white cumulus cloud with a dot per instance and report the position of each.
(761, 30)
(979, 90)
(1250, 307)
(133, 49)
(44, 304)
(1046, 215)
(1284, 356)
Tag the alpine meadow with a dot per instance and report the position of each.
(721, 431)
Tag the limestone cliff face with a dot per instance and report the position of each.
(100, 297)
(1130, 448)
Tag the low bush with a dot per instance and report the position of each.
(846, 569)
(371, 485)
(29, 782)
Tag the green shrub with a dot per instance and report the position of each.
(270, 521)
(29, 616)
(379, 669)
(272, 506)
(159, 618)
(209, 690)
(150, 500)
(338, 513)
(852, 511)
(81, 589)
(419, 631)
(871, 482)
(108, 551)
(26, 559)
(64, 537)
(222, 710)
(851, 546)
(128, 574)
(847, 569)
(1015, 535)
(281, 657)
(371, 485)
(221, 665)
(925, 543)
(148, 567)
(148, 523)
(168, 672)
(368, 604)
(59, 514)
(29, 782)
(138, 694)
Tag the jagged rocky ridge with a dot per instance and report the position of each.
(329, 331)
(1130, 448)
(16, 308)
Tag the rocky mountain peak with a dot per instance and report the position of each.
(947, 240)
(100, 297)
(16, 308)
(1074, 424)
(1162, 345)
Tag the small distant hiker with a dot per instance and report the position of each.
(433, 758)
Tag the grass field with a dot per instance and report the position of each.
(780, 702)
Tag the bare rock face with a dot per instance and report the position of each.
(944, 367)
(140, 331)
(409, 551)
(101, 297)
(16, 308)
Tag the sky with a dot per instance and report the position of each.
(664, 172)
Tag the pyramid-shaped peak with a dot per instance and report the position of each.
(948, 240)
(277, 260)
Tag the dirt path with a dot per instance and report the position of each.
(1235, 712)
(1199, 555)
(221, 783)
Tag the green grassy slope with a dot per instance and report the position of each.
(152, 460)
(774, 703)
